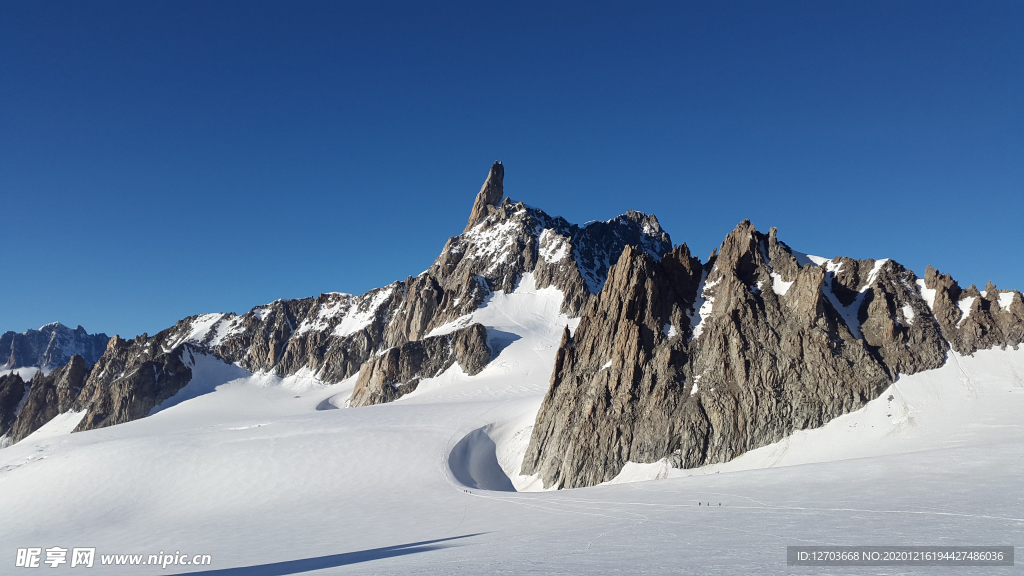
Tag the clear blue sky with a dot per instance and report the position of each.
(161, 159)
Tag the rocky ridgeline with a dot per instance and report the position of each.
(49, 347)
(397, 334)
(62, 356)
(700, 363)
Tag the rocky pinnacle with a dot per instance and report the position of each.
(490, 195)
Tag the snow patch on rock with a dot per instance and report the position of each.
(908, 313)
(1005, 300)
(703, 305)
(965, 308)
(927, 293)
(780, 286)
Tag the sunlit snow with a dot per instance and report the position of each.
(258, 470)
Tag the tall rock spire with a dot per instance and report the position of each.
(490, 194)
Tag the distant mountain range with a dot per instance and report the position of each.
(52, 346)
(675, 358)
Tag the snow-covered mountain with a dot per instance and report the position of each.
(421, 428)
(49, 347)
(694, 363)
(330, 336)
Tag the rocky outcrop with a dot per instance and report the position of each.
(489, 197)
(974, 320)
(330, 335)
(399, 370)
(698, 364)
(131, 378)
(516, 239)
(50, 347)
(12, 390)
(49, 395)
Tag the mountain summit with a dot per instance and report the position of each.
(490, 195)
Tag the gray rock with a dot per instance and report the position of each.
(971, 321)
(700, 364)
(131, 378)
(12, 390)
(489, 197)
(398, 370)
(49, 395)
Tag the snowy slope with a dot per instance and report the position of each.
(260, 473)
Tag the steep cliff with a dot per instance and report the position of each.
(698, 364)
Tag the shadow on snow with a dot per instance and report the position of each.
(332, 561)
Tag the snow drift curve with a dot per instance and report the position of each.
(474, 462)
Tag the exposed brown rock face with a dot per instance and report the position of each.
(331, 334)
(12, 390)
(971, 320)
(131, 378)
(661, 367)
(399, 370)
(490, 195)
(48, 396)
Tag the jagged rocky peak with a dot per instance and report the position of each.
(489, 197)
(974, 319)
(697, 364)
(131, 378)
(12, 389)
(49, 347)
(510, 238)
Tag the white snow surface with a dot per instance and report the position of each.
(970, 401)
(200, 328)
(965, 308)
(355, 320)
(927, 293)
(1005, 300)
(553, 247)
(59, 426)
(670, 331)
(702, 305)
(780, 286)
(263, 474)
(908, 313)
(808, 259)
